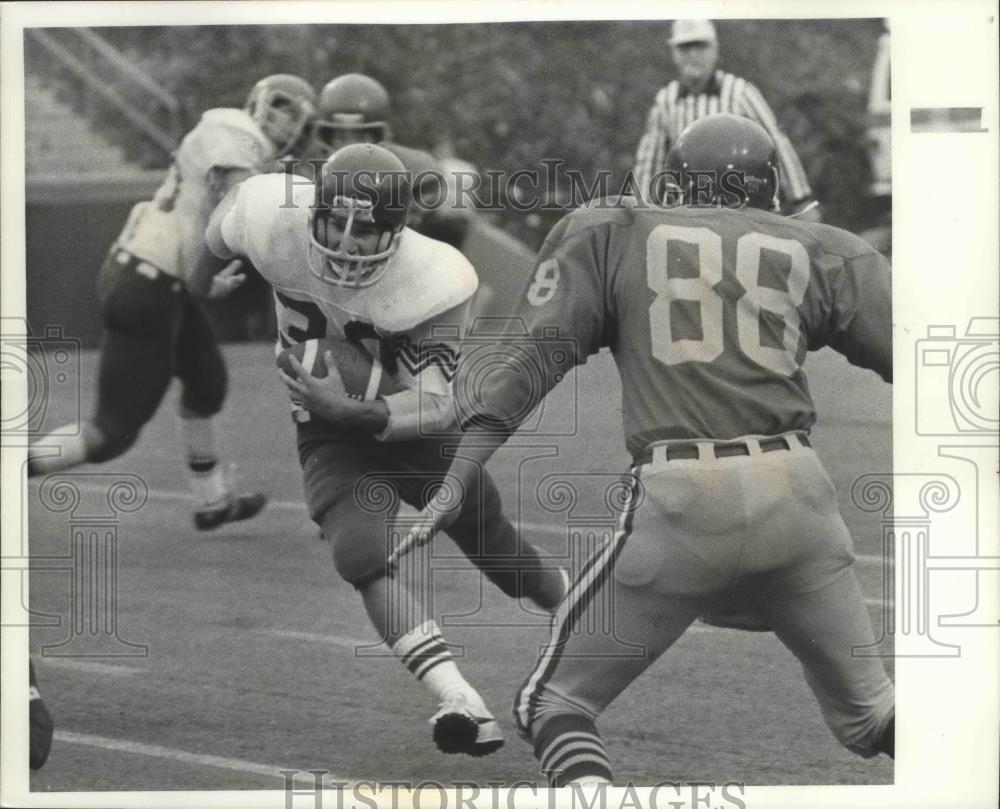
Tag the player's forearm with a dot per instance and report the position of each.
(471, 455)
(413, 414)
(372, 416)
(199, 280)
(501, 402)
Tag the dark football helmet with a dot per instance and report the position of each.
(722, 160)
(282, 106)
(363, 198)
(353, 108)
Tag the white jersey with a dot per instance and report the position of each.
(168, 230)
(268, 223)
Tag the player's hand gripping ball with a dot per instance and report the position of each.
(362, 376)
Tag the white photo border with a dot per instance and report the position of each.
(946, 256)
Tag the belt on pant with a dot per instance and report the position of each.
(133, 262)
(688, 450)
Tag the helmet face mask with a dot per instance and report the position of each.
(349, 248)
(356, 224)
(721, 161)
(328, 136)
(731, 188)
(283, 106)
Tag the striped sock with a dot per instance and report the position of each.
(569, 749)
(423, 651)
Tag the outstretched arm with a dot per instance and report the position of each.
(215, 255)
(561, 306)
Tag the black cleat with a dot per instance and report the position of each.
(887, 741)
(238, 507)
(40, 725)
(457, 729)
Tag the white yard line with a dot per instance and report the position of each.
(184, 757)
(315, 637)
(75, 664)
(350, 643)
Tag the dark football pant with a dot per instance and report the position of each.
(355, 484)
(153, 331)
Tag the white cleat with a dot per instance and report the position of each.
(463, 727)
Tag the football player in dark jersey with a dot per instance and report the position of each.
(709, 308)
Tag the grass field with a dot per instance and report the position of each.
(252, 666)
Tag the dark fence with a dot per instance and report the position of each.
(68, 234)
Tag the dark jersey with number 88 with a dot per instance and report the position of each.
(709, 314)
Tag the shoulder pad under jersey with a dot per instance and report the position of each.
(225, 138)
(429, 278)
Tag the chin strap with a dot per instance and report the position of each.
(809, 207)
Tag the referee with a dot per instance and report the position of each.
(703, 90)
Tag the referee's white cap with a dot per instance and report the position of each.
(685, 31)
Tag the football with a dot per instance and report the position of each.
(363, 376)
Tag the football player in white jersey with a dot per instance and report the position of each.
(154, 329)
(344, 264)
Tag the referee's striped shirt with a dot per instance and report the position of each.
(675, 108)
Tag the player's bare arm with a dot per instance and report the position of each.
(216, 273)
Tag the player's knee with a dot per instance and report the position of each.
(493, 548)
(525, 575)
(491, 542)
(358, 541)
(481, 528)
(104, 442)
(205, 384)
(134, 307)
